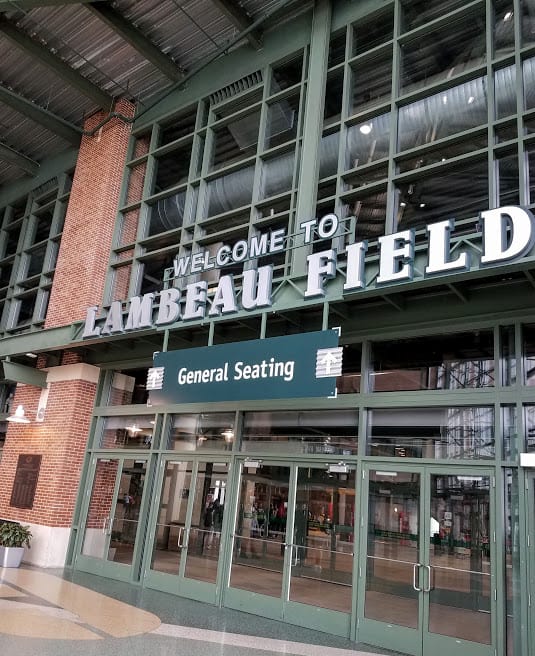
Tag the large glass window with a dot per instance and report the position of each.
(133, 432)
(307, 431)
(448, 362)
(192, 432)
(453, 433)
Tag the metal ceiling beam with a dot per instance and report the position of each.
(132, 35)
(27, 5)
(35, 49)
(48, 120)
(12, 156)
(239, 19)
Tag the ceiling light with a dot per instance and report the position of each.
(422, 205)
(19, 417)
(508, 16)
(31, 355)
(366, 128)
(471, 100)
(228, 434)
(134, 428)
(445, 100)
(402, 204)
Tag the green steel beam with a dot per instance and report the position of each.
(21, 374)
(47, 119)
(40, 52)
(132, 35)
(27, 5)
(239, 19)
(22, 162)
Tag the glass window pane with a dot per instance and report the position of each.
(528, 352)
(136, 179)
(166, 214)
(461, 193)
(337, 49)
(329, 155)
(371, 82)
(528, 70)
(508, 354)
(134, 432)
(37, 261)
(511, 443)
(178, 127)
(443, 53)
(325, 432)
(235, 141)
(416, 13)
(443, 114)
(442, 153)
(368, 141)
(529, 422)
(504, 27)
(527, 20)
(128, 388)
(458, 361)
(451, 433)
(505, 91)
(277, 175)
(508, 180)
(191, 432)
(333, 97)
(373, 31)
(287, 74)
(230, 191)
(513, 572)
(172, 168)
(281, 121)
(365, 216)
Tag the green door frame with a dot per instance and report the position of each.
(102, 566)
(281, 608)
(420, 641)
(179, 583)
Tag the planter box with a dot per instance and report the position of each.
(11, 556)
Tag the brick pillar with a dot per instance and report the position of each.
(89, 223)
(60, 439)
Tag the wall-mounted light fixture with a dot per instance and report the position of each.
(18, 417)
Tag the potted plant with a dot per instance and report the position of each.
(13, 538)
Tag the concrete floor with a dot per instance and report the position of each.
(57, 612)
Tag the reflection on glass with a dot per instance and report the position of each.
(528, 70)
(444, 52)
(322, 550)
(371, 82)
(508, 180)
(365, 216)
(368, 141)
(507, 355)
(528, 352)
(452, 433)
(281, 121)
(459, 579)
(128, 387)
(230, 191)
(277, 175)
(260, 530)
(113, 516)
(416, 13)
(373, 31)
(307, 431)
(527, 21)
(511, 443)
(529, 420)
(211, 430)
(171, 522)
(392, 548)
(512, 561)
(504, 27)
(172, 168)
(134, 432)
(329, 154)
(461, 192)
(204, 535)
(166, 214)
(287, 74)
(505, 91)
(458, 361)
(433, 118)
(236, 140)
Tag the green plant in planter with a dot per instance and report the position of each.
(14, 535)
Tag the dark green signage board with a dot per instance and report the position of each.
(293, 366)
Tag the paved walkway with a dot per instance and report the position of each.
(55, 613)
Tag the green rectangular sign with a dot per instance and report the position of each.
(294, 366)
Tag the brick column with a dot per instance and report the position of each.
(60, 439)
(90, 220)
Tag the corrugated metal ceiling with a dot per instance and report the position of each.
(185, 31)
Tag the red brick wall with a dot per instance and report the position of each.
(60, 440)
(89, 224)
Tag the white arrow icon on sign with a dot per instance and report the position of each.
(329, 360)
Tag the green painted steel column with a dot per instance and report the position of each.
(317, 76)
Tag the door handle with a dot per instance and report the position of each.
(296, 560)
(179, 540)
(415, 570)
(429, 587)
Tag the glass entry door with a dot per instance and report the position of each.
(110, 538)
(186, 541)
(427, 578)
(292, 544)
